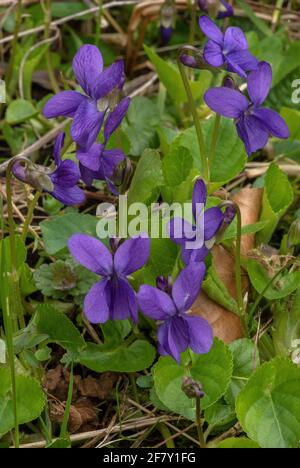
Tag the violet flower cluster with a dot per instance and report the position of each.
(96, 108)
(178, 329)
(229, 51)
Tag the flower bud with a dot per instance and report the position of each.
(192, 388)
(293, 238)
(34, 175)
(167, 16)
(189, 61)
(122, 174)
(209, 6)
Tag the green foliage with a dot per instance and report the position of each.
(62, 278)
(169, 75)
(121, 358)
(19, 111)
(286, 329)
(58, 328)
(241, 442)
(283, 286)
(168, 377)
(214, 287)
(58, 229)
(245, 361)
(140, 124)
(278, 195)
(147, 179)
(268, 407)
(30, 400)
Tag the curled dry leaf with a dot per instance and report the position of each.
(56, 382)
(226, 325)
(83, 416)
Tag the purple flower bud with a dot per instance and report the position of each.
(165, 34)
(167, 16)
(189, 61)
(229, 215)
(192, 388)
(216, 8)
(122, 174)
(209, 6)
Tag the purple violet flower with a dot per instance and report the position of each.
(167, 16)
(228, 49)
(178, 329)
(207, 224)
(111, 298)
(102, 87)
(223, 9)
(254, 123)
(98, 162)
(61, 182)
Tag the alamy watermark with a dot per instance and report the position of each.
(138, 219)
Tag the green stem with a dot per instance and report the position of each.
(6, 295)
(8, 325)
(12, 241)
(51, 74)
(238, 271)
(193, 9)
(199, 423)
(134, 387)
(63, 430)
(196, 119)
(166, 434)
(10, 68)
(214, 140)
(98, 24)
(1, 218)
(29, 215)
(261, 295)
(277, 14)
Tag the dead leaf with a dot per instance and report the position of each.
(225, 324)
(98, 388)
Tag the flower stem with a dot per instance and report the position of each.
(6, 295)
(193, 9)
(64, 426)
(29, 215)
(238, 269)
(214, 140)
(199, 423)
(10, 68)
(98, 24)
(12, 241)
(196, 119)
(51, 74)
(8, 326)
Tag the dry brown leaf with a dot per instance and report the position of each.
(98, 388)
(226, 325)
